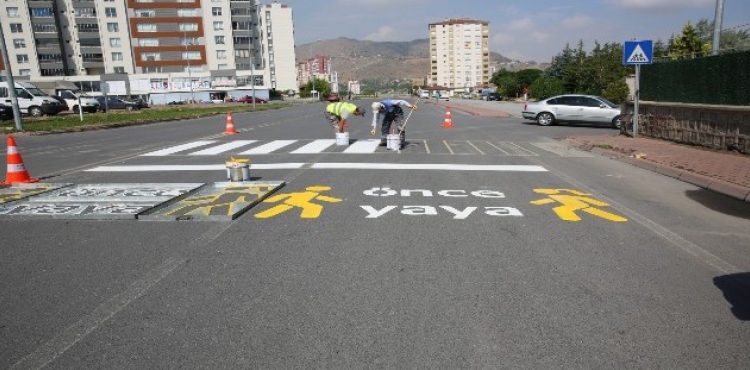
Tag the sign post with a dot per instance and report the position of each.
(637, 53)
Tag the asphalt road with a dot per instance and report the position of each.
(447, 255)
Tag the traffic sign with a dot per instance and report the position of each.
(638, 52)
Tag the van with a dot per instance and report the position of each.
(74, 99)
(31, 100)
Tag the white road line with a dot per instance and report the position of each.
(178, 148)
(270, 147)
(427, 166)
(316, 146)
(205, 167)
(354, 166)
(475, 147)
(363, 146)
(223, 147)
(448, 146)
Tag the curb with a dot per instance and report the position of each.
(722, 187)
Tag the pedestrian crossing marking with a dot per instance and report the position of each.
(270, 147)
(178, 148)
(638, 55)
(316, 146)
(364, 146)
(224, 147)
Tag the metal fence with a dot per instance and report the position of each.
(721, 80)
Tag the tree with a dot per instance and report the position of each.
(730, 39)
(544, 87)
(688, 44)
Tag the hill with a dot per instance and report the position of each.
(383, 61)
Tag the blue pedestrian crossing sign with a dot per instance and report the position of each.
(638, 52)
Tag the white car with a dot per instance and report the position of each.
(424, 95)
(573, 108)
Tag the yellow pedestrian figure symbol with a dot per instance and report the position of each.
(301, 200)
(572, 201)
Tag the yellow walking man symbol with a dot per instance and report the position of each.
(300, 200)
(575, 201)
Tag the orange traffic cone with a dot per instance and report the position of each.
(230, 125)
(16, 170)
(448, 121)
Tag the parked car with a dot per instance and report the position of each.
(249, 99)
(62, 101)
(6, 111)
(111, 102)
(424, 95)
(494, 97)
(333, 98)
(31, 100)
(441, 96)
(573, 108)
(180, 102)
(466, 96)
(139, 102)
(75, 99)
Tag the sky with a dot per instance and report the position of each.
(526, 30)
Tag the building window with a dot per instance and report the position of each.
(219, 40)
(189, 41)
(85, 13)
(146, 27)
(19, 43)
(16, 28)
(117, 56)
(148, 42)
(45, 28)
(242, 53)
(188, 27)
(24, 72)
(150, 57)
(22, 58)
(88, 27)
(113, 27)
(120, 70)
(13, 12)
(191, 55)
(187, 12)
(218, 26)
(221, 54)
(110, 12)
(145, 13)
(216, 11)
(115, 42)
(41, 12)
(156, 69)
(223, 66)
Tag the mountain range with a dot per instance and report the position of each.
(364, 60)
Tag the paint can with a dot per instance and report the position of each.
(342, 138)
(393, 142)
(238, 170)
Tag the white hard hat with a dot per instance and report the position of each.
(375, 106)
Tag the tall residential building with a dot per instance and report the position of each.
(460, 54)
(183, 49)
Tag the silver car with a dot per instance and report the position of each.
(573, 108)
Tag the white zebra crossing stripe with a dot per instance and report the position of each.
(316, 146)
(270, 147)
(178, 148)
(224, 147)
(363, 146)
(198, 167)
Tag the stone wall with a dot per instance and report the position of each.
(713, 126)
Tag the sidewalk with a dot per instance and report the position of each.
(727, 173)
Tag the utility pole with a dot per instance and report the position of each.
(11, 82)
(717, 26)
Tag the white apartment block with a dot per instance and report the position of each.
(168, 50)
(459, 54)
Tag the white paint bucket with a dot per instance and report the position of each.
(238, 171)
(393, 141)
(342, 138)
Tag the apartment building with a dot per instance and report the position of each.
(168, 50)
(459, 54)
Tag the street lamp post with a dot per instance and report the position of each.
(190, 70)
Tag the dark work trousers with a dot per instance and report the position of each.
(385, 129)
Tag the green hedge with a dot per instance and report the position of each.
(722, 80)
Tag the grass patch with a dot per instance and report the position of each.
(72, 122)
(604, 146)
